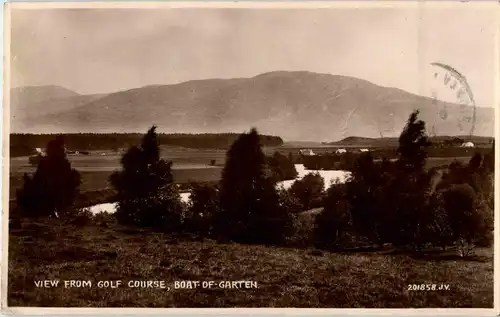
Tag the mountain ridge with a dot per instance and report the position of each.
(295, 105)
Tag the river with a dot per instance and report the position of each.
(329, 177)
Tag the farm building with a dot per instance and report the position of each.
(307, 152)
(363, 150)
(468, 144)
(341, 151)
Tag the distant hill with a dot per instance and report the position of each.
(26, 115)
(294, 105)
(30, 102)
(394, 142)
(30, 94)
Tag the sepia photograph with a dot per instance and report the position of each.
(250, 155)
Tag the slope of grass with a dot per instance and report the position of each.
(285, 277)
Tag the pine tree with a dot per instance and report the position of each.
(250, 210)
(410, 210)
(413, 144)
(53, 188)
(146, 194)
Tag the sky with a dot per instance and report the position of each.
(106, 50)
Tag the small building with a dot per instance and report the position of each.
(363, 150)
(468, 144)
(341, 151)
(306, 152)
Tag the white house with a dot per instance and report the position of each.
(307, 152)
(468, 144)
(363, 150)
(341, 151)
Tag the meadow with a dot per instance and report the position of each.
(286, 277)
(202, 165)
(296, 275)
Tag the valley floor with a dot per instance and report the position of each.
(285, 277)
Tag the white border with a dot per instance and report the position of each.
(240, 311)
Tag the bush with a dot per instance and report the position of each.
(146, 194)
(53, 188)
(103, 219)
(333, 224)
(309, 190)
(81, 217)
(468, 219)
(440, 232)
(289, 202)
(162, 212)
(205, 204)
(368, 193)
(282, 167)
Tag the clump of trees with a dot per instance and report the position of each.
(335, 222)
(205, 205)
(404, 204)
(146, 194)
(244, 207)
(309, 191)
(282, 167)
(398, 202)
(53, 188)
(249, 202)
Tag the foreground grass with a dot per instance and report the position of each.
(286, 277)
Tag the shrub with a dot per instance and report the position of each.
(289, 202)
(333, 224)
(146, 194)
(282, 167)
(309, 190)
(53, 188)
(205, 204)
(162, 212)
(103, 219)
(81, 217)
(468, 219)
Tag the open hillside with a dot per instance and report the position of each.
(285, 277)
(295, 105)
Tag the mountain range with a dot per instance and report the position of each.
(297, 105)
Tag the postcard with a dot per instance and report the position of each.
(298, 157)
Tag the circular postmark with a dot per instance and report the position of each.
(449, 84)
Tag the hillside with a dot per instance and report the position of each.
(294, 105)
(27, 94)
(285, 277)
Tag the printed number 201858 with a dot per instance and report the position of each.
(428, 287)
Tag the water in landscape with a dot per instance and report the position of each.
(330, 177)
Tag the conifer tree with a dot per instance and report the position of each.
(53, 188)
(146, 194)
(250, 210)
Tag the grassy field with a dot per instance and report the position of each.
(285, 277)
(188, 165)
(94, 181)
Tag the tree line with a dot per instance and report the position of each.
(388, 201)
(344, 161)
(24, 144)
